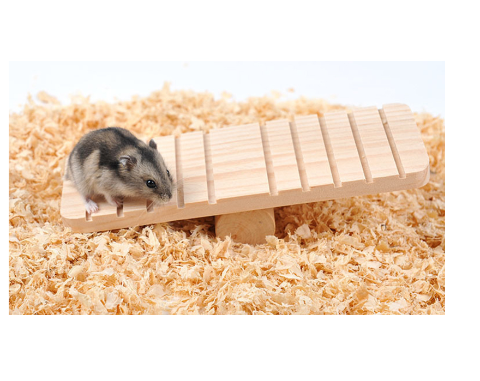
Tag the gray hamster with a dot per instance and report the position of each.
(113, 162)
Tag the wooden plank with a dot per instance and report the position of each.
(238, 162)
(375, 143)
(250, 167)
(313, 151)
(282, 152)
(344, 148)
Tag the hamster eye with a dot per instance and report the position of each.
(168, 173)
(151, 184)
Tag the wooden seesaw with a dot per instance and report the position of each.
(239, 174)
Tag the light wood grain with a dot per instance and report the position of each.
(343, 145)
(407, 138)
(194, 172)
(238, 162)
(284, 163)
(313, 151)
(375, 143)
(72, 204)
(245, 168)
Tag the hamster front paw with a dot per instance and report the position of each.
(91, 206)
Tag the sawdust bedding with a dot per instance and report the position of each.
(380, 254)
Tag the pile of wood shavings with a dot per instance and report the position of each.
(363, 255)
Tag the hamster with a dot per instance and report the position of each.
(112, 162)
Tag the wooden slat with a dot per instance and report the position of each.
(375, 143)
(193, 168)
(238, 162)
(166, 147)
(134, 207)
(282, 152)
(73, 205)
(343, 145)
(313, 151)
(105, 211)
(407, 137)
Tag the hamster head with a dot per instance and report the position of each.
(143, 173)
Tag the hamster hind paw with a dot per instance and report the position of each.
(115, 201)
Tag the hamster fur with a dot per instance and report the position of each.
(113, 162)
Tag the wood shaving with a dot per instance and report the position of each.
(380, 254)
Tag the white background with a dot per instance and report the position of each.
(421, 85)
(284, 348)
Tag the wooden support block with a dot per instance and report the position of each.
(246, 227)
(251, 167)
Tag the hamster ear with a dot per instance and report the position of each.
(152, 144)
(127, 161)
